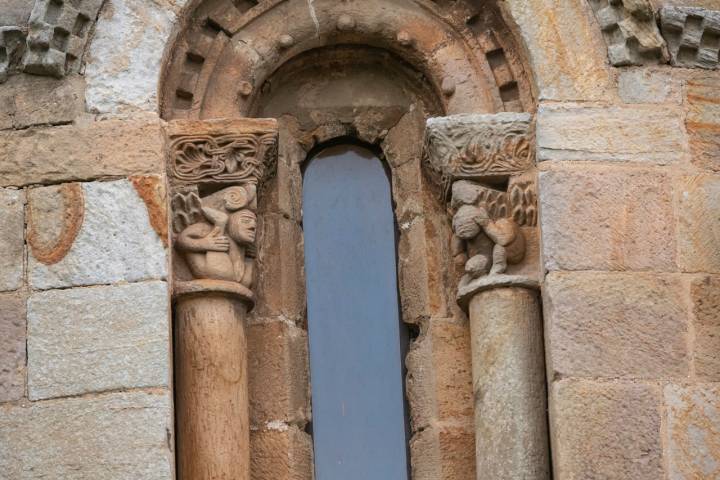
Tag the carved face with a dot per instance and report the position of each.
(242, 226)
(467, 221)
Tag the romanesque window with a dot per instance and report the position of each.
(356, 346)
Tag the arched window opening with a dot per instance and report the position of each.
(355, 332)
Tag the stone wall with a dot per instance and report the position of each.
(629, 186)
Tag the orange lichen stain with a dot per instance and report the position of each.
(73, 216)
(151, 189)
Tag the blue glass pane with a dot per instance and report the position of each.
(353, 318)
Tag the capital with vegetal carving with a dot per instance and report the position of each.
(483, 166)
(215, 169)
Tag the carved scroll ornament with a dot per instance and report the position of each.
(479, 147)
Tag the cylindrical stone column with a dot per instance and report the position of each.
(511, 436)
(211, 384)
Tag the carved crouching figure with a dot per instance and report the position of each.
(489, 244)
(219, 244)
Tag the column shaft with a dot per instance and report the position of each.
(211, 404)
(511, 438)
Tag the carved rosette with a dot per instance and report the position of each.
(215, 168)
(484, 167)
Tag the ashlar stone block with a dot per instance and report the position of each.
(12, 224)
(705, 298)
(703, 119)
(443, 453)
(605, 430)
(693, 423)
(84, 340)
(566, 49)
(630, 325)
(115, 242)
(124, 58)
(119, 436)
(698, 210)
(84, 151)
(12, 346)
(650, 134)
(278, 373)
(607, 219)
(439, 378)
(281, 452)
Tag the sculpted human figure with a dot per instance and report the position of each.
(221, 246)
(490, 244)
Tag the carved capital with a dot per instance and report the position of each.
(484, 163)
(485, 148)
(222, 151)
(215, 168)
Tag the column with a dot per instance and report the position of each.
(484, 167)
(215, 168)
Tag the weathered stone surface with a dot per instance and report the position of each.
(12, 224)
(703, 120)
(698, 209)
(115, 243)
(124, 58)
(613, 325)
(693, 423)
(15, 12)
(280, 288)
(31, 100)
(647, 85)
(54, 217)
(508, 363)
(566, 49)
(12, 347)
(705, 298)
(606, 219)
(693, 36)
(57, 32)
(12, 45)
(630, 31)
(94, 339)
(281, 452)
(643, 134)
(120, 435)
(84, 151)
(478, 146)
(278, 374)
(605, 430)
(443, 453)
(439, 377)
